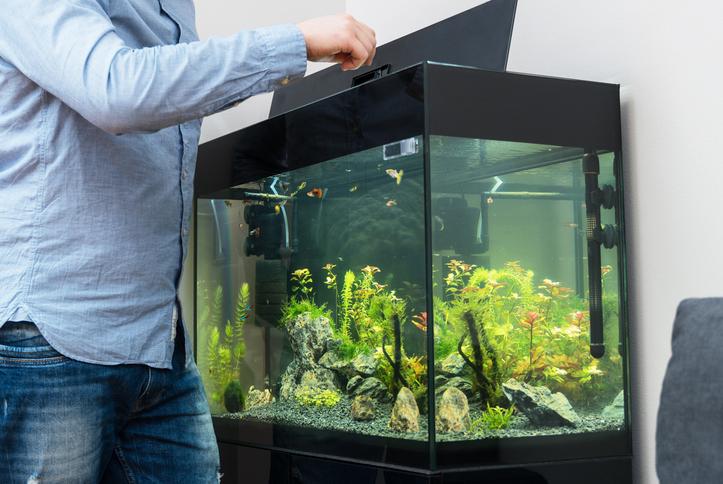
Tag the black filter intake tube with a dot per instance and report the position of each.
(591, 169)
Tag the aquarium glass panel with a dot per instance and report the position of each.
(311, 296)
(511, 293)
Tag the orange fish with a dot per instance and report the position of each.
(420, 321)
(391, 203)
(315, 193)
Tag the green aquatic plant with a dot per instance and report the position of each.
(532, 331)
(293, 308)
(302, 283)
(313, 398)
(225, 351)
(494, 418)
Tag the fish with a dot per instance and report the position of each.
(420, 321)
(571, 225)
(277, 209)
(391, 203)
(255, 232)
(315, 193)
(440, 222)
(396, 174)
(353, 189)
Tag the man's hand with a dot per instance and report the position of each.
(340, 39)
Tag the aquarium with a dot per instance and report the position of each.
(426, 270)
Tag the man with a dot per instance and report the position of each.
(100, 102)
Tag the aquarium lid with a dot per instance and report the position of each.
(479, 37)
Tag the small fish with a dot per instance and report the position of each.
(396, 174)
(391, 203)
(353, 189)
(255, 232)
(315, 193)
(420, 321)
(340, 259)
(571, 225)
(277, 209)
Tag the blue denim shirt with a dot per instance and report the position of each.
(100, 102)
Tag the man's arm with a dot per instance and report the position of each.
(70, 49)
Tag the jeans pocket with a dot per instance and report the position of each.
(21, 344)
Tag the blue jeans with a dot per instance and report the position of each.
(63, 421)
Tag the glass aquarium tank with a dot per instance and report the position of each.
(425, 271)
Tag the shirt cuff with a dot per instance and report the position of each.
(286, 49)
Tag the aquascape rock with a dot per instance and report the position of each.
(453, 412)
(258, 398)
(331, 361)
(362, 408)
(616, 409)
(540, 405)
(365, 365)
(371, 387)
(310, 338)
(452, 365)
(405, 413)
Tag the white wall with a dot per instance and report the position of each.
(221, 17)
(666, 55)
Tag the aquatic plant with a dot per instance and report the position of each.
(532, 331)
(225, 351)
(314, 398)
(398, 380)
(494, 418)
(302, 283)
(293, 308)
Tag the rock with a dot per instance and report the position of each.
(362, 408)
(258, 398)
(540, 405)
(405, 413)
(354, 384)
(318, 379)
(309, 338)
(331, 361)
(459, 383)
(365, 365)
(233, 397)
(453, 365)
(616, 409)
(453, 412)
(370, 387)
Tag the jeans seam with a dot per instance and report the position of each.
(147, 387)
(124, 465)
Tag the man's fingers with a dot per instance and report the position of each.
(358, 54)
(369, 44)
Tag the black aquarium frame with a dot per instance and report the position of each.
(431, 99)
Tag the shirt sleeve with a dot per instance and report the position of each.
(70, 49)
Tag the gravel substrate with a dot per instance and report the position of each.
(338, 418)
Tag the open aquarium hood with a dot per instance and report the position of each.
(479, 37)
